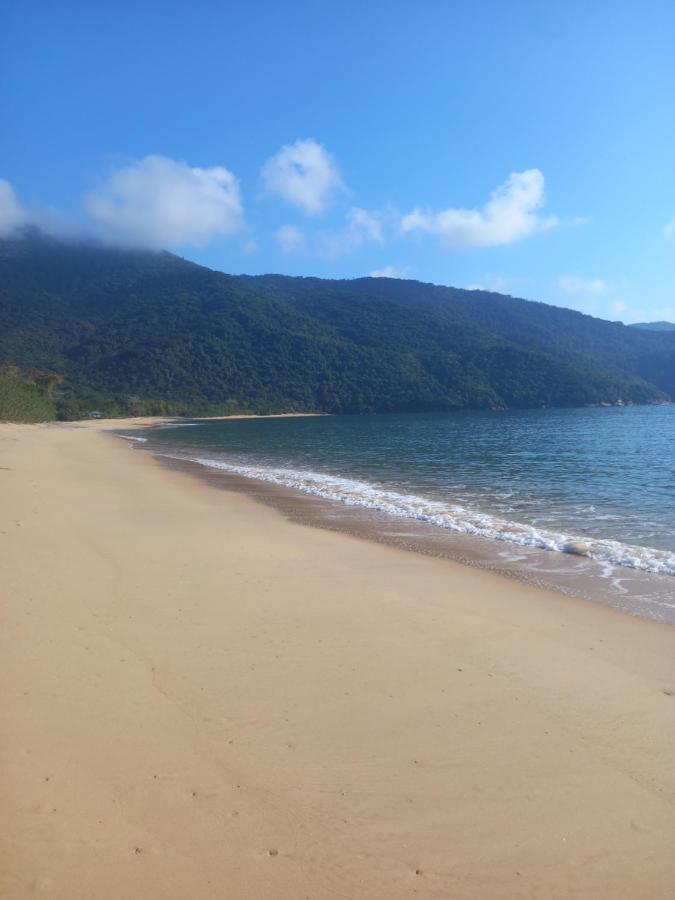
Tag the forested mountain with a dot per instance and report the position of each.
(135, 332)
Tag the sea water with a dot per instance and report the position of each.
(578, 499)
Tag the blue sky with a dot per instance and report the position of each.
(525, 147)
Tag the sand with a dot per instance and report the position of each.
(202, 699)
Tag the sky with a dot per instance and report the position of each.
(515, 146)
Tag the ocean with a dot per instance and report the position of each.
(579, 500)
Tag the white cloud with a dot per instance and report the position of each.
(499, 284)
(304, 174)
(510, 215)
(362, 226)
(290, 238)
(161, 202)
(365, 225)
(576, 284)
(669, 229)
(391, 272)
(618, 307)
(12, 214)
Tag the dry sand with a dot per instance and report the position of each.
(203, 700)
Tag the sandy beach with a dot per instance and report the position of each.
(202, 699)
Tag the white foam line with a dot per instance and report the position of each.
(451, 517)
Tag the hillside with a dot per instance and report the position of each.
(142, 332)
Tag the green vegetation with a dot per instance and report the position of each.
(139, 333)
(23, 399)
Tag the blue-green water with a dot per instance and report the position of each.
(594, 483)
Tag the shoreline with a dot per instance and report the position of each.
(206, 699)
(153, 421)
(631, 590)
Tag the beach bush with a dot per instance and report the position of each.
(23, 401)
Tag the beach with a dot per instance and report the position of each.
(204, 699)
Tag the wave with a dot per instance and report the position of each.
(450, 516)
(131, 437)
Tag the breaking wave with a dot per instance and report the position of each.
(450, 516)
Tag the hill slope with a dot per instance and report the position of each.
(140, 332)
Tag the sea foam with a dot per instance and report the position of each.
(450, 516)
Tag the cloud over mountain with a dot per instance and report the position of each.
(290, 238)
(362, 226)
(304, 174)
(12, 214)
(511, 214)
(163, 202)
(390, 272)
(575, 284)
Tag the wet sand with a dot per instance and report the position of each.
(644, 594)
(204, 699)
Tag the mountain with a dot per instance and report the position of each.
(141, 332)
(654, 326)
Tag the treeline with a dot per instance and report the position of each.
(121, 405)
(34, 396)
